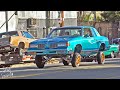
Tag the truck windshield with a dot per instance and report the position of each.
(7, 34)
(66, 32)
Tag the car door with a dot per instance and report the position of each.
(89, 42)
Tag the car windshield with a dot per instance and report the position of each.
(66, 32)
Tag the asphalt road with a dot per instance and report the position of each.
(87, 70)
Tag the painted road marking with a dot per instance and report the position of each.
(109, 77)
(63, 68)
(60, 70)
(68, 67)
(28, 75)
(112, 77)
(82, 63)
(60, 67)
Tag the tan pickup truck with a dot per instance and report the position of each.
(15, 39)
(11, 43)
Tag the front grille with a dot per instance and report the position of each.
(41, 46)
(53, 45)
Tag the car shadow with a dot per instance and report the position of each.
(60, 65)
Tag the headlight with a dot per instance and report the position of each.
(33, 46)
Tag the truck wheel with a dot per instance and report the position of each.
(39, 61)
(100, 58)
(76, 59)
(66, 63)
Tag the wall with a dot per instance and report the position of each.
(70, 19)
(22, 25)
(107, 29)
(42, 14)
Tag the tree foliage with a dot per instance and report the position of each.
(111, 16)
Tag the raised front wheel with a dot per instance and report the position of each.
(100, 58)
(76, 60)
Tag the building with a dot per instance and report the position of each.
(19, 22)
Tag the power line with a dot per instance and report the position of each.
(7, 20)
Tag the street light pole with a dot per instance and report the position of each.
(6, 18)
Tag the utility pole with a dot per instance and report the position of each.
(78, 18)
(79, 14)
(6, 18)
(16, 17)
(47, 21)
(62, 19)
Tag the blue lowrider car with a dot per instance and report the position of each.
(71, 43)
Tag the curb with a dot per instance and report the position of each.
(112, 59)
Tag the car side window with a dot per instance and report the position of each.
(87, 32)
(56, 33)
(27, 35)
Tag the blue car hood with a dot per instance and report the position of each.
(55, 39)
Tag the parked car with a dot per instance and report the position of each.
(113, 52)
(116, 40)
(71, 43)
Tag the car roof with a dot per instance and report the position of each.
(74, 27)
